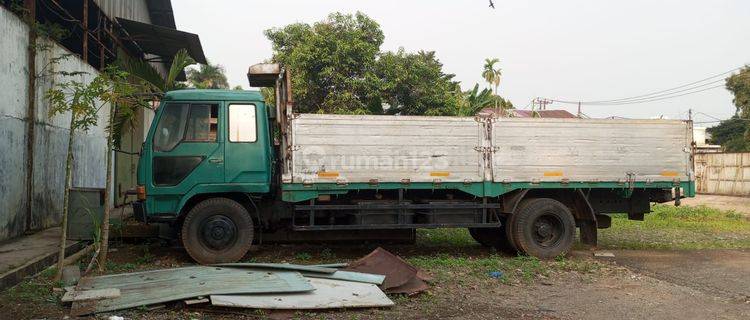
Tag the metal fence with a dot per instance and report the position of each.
(723, 173)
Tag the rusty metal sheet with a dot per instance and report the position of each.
(397, 272)
(158, 286)
(413, 286)
(328, 294)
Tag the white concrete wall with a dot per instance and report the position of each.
(51, 136)
(13, 109)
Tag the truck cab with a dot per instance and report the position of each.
(204, 142)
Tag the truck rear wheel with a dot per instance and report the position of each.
(217, 230)
(543, 228)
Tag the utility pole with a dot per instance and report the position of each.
(579, 109)
(690, 114)
(543, 102)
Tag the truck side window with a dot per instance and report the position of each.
(171, 126)
(242, 127)
(202, 123)
(194, 123)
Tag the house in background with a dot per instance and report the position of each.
(33, 144)
(702, 141)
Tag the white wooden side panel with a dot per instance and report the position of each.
(590, 149)
(723, 173)
(357, 148)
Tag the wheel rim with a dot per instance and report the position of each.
(547, 230)
(218, 232)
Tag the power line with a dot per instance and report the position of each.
(659, 98)
(657, 94)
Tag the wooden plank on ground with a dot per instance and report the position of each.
(96, 294)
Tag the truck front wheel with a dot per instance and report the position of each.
(217, 230)
(542, 227)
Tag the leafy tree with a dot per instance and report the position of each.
(332, 62)
(730, 134)
(83, 101)
(208, 76)
(237, 88)
(414, 83)
(739, 85)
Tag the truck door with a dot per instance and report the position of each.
(187, 151)
(246, 149)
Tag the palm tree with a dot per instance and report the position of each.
(145, 71)
(492, 75)
(488, 73)
(208, 76)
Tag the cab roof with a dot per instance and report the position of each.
(214, 95)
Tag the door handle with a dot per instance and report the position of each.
(216, 161)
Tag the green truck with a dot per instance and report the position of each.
(224, 168)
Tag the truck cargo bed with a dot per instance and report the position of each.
(364, 148)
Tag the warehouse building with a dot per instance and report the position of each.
(33, 144)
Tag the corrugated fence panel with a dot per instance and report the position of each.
(529, 149)
(723, 173)
(357, 148)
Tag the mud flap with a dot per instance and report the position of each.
(588, 232)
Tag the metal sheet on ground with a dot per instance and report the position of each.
(158, 286)
(349, 276)
(279, 266)
(328, 294)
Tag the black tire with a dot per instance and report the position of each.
(543, 228)
(217, 230)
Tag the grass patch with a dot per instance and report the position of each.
(669, 227)
(37, 290)
(456, 237)
(447, 267)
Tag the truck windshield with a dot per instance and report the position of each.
(171, 126)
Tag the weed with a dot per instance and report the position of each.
(146, 258)
(327, 254)
(120, 267)
(304, 256)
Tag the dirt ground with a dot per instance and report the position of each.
(689, 284)
(708, 279)
(738, 204)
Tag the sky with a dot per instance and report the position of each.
(566, 50)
